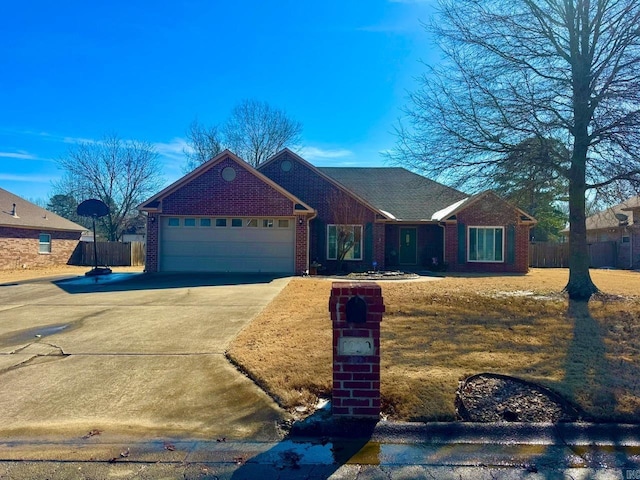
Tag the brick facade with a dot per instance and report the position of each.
(153, 247)
(490, 211)
(206, 193)
(20, 247)
(356, 378)
(316, 191)
(210, 194)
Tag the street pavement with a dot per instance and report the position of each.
(391, 451)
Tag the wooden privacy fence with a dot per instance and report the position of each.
(556, 255)
(549, 255)
(112, 254)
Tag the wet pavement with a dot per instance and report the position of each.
(391, 451)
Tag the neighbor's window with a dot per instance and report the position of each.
(189, 222)
(221, 222)
(174, 222)
(486, 244)
(236, 222)
(44, 242)
(205, 222)
(344, 242)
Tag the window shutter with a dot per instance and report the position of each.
(462, 243)
(511, 244)
(368, 242)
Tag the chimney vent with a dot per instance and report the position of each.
(14, 213)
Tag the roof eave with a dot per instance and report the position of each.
(209, 164)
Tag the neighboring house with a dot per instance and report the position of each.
(614, 234)
(31, 236)
(285, 215)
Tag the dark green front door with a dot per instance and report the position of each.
(408, 246)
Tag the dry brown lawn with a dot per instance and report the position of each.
(436, 333)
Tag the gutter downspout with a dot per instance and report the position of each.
(315, 214)
(444, 242)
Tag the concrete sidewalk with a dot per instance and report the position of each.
(392, 451)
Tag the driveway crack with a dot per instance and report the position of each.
(56, 354)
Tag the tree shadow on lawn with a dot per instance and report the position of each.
(125, 282)
(588, 374)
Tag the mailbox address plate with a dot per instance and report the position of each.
(355, 346)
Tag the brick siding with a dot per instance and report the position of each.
(19, 248)
(209, 194)
(494, 212)
(313, 189)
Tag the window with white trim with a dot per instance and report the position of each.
(252, 223)
(173, 222)
(236, 222)
(205, 222)
(221, 222)
(283, 223)
(486, 244)
(344, 242)
(44, 243)
(189, 222)
(267, 223)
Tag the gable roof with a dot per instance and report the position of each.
(607, 218)
(30, 215)
(331, 180)
(153, 204)
(451, 211)
(395, 191)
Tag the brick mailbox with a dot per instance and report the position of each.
(356, 312)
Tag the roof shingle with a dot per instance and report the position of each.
(607, 218)
(397, 191)
(29, 215)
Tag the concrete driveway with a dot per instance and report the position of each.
(131, 355)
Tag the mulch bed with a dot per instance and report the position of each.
(490, 397)
(382, 275)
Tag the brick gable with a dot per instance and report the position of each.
(210, 194)
(489, 211)
(306, 183)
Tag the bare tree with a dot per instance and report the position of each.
(349, 223)
(255, 131)
(204, 143)
(518, 69)
(118, 172)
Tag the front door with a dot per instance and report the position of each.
(408, 246)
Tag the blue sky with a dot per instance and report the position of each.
(77, 70)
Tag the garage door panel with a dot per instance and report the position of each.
(227, 249)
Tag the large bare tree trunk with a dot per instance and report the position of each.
(580, 285)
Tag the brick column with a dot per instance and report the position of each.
(356, 348)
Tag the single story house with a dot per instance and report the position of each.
(615, 234)
(226, 216)
(31, 236)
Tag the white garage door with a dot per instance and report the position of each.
(218, 244)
